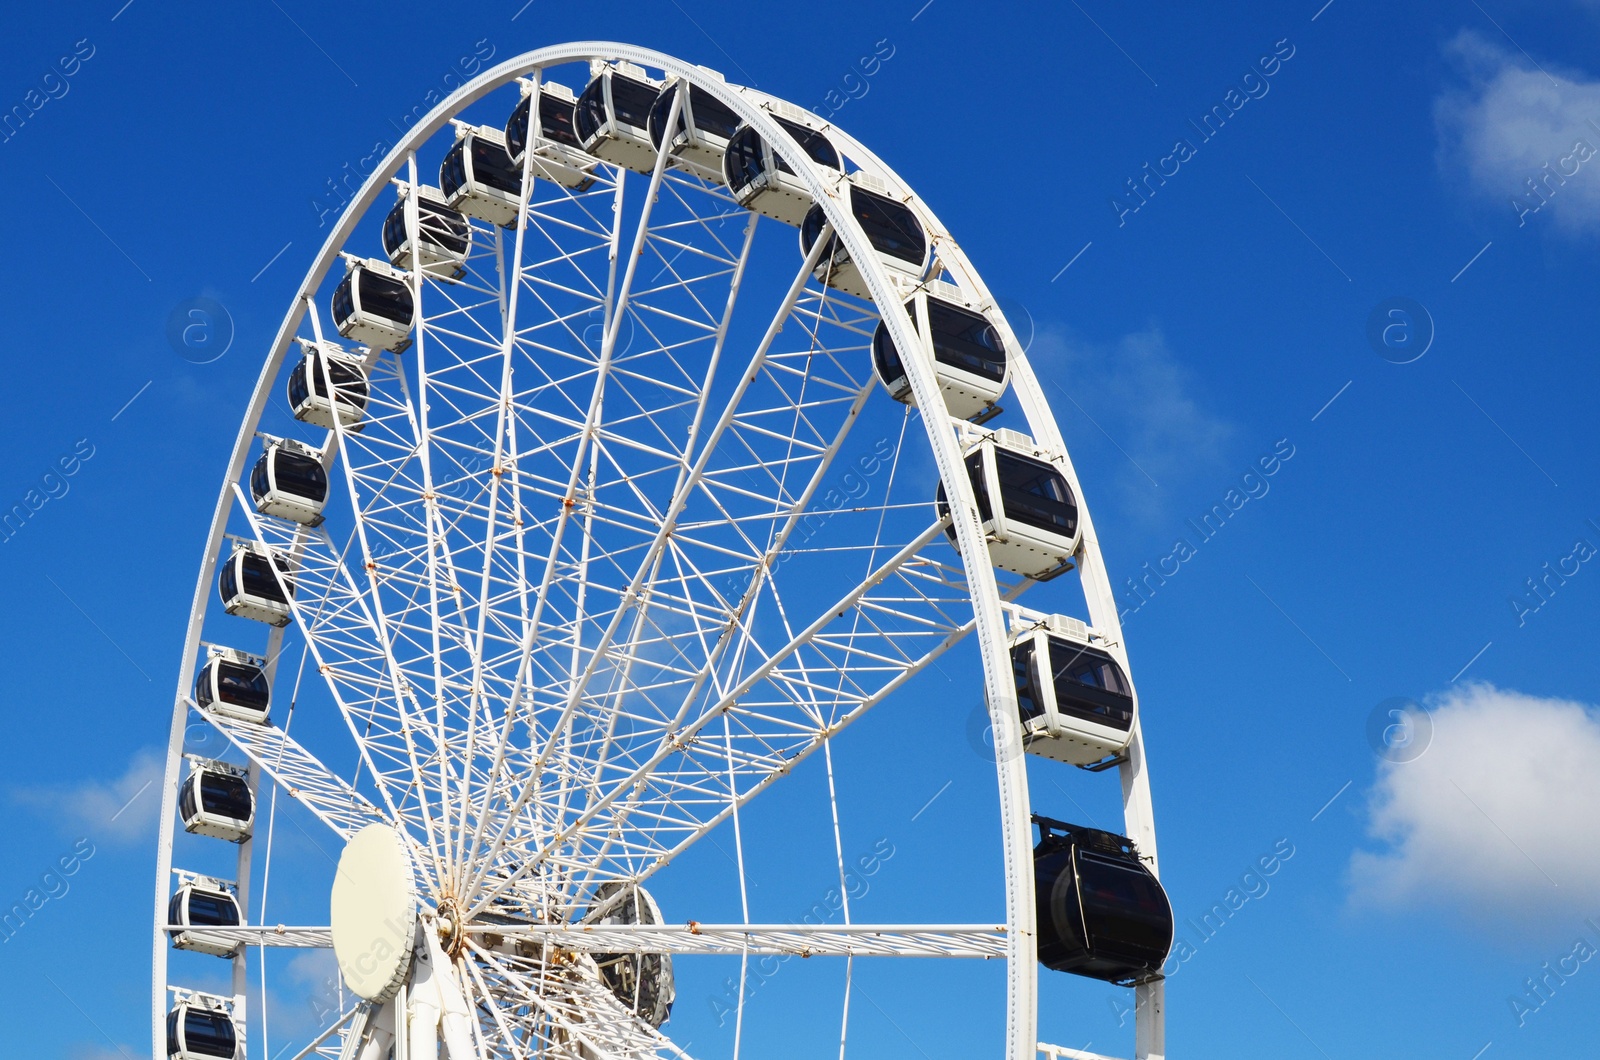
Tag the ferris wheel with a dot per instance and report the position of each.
(540, 559)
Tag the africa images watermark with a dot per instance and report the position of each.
(1543, 590)
(53, 485)
(53, 884)
(1253, 485)
(1253, 84)
(1537, 993)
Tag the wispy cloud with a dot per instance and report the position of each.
(1496, 820)
(1137, 402)
(1506, 119)
(114, 809)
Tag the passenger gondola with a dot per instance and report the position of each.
(1101, 911)
(290, 482)
(969, 356)
(478, 177)
(325, 379)
(373, 304)
(1027, 507)
(641, 981)
(762, 181)
(1074, 698)
(558, 155)
(250, 589)
(612, 118)
(234, 684)
(215, 800)
(201, 902)
(444, 237)
(889, 225)
(700, 136)
(201, 1027)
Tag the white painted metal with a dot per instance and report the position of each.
(576, 534)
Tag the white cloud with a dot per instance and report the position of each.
(120, 808)
(1141, 396)
(1499, 818)
(1509, 122)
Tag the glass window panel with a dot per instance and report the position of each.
(225, 795)
(966, 340)
(1035, 493)
(453, 170)
(631, 100)
(300, 475)
(889, 226)
(344, 306)
(711, 115)
(816, 146)
(491, 166)
(385, 297)
(590, 114)
(1123, 906)
(556, 119)
(207, 909)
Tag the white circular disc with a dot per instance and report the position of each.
(373, 912)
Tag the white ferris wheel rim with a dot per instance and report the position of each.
(945, 446)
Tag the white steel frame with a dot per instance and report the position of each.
(435, 640)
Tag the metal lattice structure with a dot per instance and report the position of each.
(584, 588)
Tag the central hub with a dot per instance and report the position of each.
(373, 912)
(451, 938)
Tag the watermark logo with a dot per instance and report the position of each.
(199, 330)
(986, 743)
(1399, 730)
(1400, 330)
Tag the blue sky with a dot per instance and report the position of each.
(1368, 154)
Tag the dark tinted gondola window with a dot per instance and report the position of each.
(1035, 494)
(175, 909)
(351, 382)
(212, 910)
(260, 581)
(300, 475)
(555, 119)
(298, 392)
(816, 146)
(186, 806)
(442, 227)
(227, 587)
(658, 116)
(980, 489)
(245, 686)
(966, 340)
(517, 127)
(1089, 684)
(394, 229)
(453, 170)
(742, 162)
(259, 486)
(226, 796)
(491, 166)
(1123, 906)
(173, 1045)
(589, 115)
(811, 230)
(344, 306)
(1029, 704)
(209, 1034)
(385, 297)
(711, 115)
(889, 226)
(631, 101)
(886, 357)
